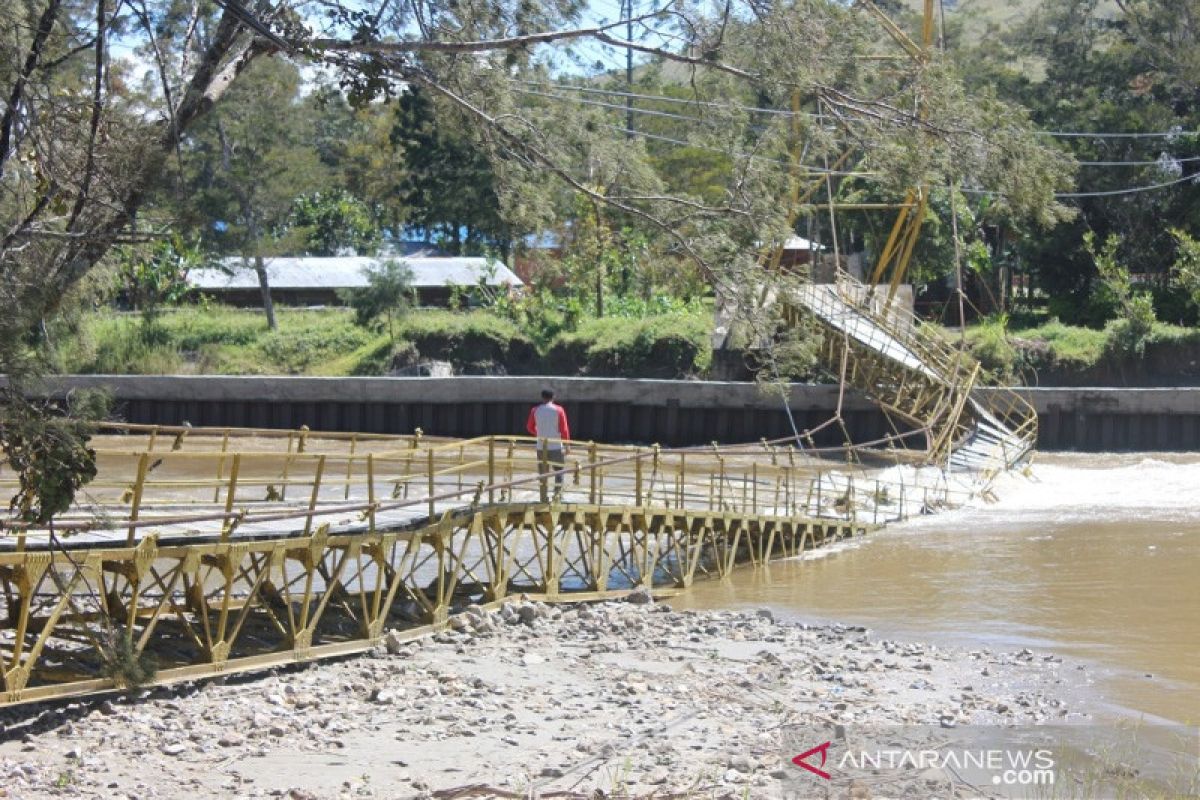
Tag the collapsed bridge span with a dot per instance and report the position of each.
(200, 551)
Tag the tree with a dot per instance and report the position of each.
(151, 275)
(386, 295)
(1186, 269)
(332, 222)
(251, 161)
(370, 162)
(1131, 330)
(1082, 65)
(86, 161)
(448, 183)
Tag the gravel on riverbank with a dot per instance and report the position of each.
(597, 700)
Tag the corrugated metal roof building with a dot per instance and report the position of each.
(316, 281)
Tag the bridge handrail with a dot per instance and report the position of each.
(729, 475)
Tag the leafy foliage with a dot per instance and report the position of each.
(123, 663)
(1186, 269)
(1132, 330)
(668, 346)
(990, 345)
(386, 295)
(448, 183)
(48, 450)
(332, 223)
(153, 275)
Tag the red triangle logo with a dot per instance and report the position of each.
(800, 761)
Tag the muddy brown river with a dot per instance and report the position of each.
(1097, 557)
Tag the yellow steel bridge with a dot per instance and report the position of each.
(203, 551)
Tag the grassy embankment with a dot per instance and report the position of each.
(1014, 351)
(226, 341)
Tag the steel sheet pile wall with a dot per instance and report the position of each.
(669, 412)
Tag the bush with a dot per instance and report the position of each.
(1130, 334)
(474, 342)
(191, 329)
(991, 348)
(539, 314)
(123, 346)
(295, 351)
(1174, 304)
(668, 346)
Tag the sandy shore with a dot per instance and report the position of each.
(599, 700)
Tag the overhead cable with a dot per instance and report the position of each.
(1108, 193)
(787, 113)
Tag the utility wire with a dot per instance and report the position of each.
(1158, 162)
(601, 104)
(786, 113)
(1133, 190)
(751, 156)
(665, 99)
(679, 142)
(1118, 135)
(980, 192)
(1109, 193)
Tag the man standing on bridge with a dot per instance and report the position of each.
(548, 422)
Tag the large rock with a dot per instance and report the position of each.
(640, 596)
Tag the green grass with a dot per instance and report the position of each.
(1006, 350)
(667, 346)
(476, 339)
(228, 341)
(211, 341)
(1069, 344)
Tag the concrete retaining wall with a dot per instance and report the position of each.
(614, 410)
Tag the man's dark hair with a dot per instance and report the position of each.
(547, 394)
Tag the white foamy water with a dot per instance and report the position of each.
(1077, 488)
(1093, 556)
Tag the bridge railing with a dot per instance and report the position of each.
(213, 491)
(939, 359)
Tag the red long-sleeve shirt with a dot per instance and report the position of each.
(548, 421)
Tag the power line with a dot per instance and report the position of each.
(1166, 160)
(601, 104)
(681, 143)
(1118, 135)
(983, 192)
(1108, 193)
(751, 156)
(678, 142)
(677, 100)
(1131, 190)
(787, 113)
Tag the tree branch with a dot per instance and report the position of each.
(477, 46)
(45, 26)
(536, 155)
(89, 167)
(678, 57)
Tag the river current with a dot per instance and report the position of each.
(1093, 557)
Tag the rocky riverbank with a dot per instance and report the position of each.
(596, 700)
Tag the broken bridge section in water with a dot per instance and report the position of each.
(206, 551)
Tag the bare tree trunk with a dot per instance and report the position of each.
(264, 286)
